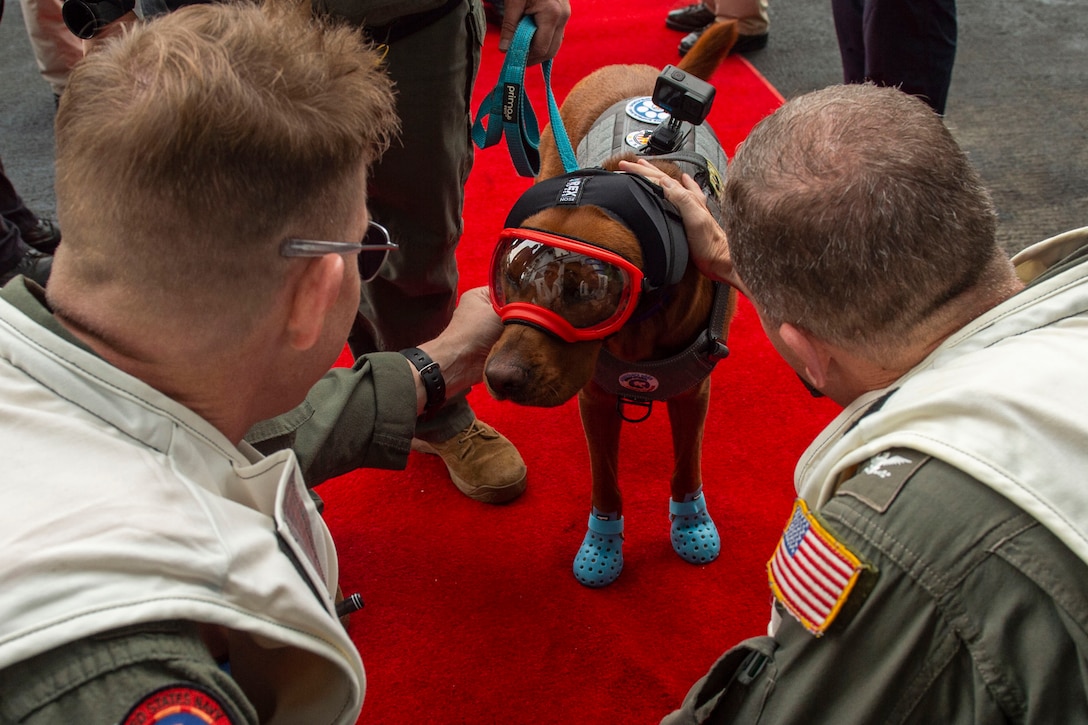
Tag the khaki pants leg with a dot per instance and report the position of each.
(751, 13)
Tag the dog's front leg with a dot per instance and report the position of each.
(687, 418)
(602, 426)
(600, 558)
(693, 533)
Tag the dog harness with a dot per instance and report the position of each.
(628, 125)
(640, 383)
(639, 205)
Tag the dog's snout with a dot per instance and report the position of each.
(505, 379)
(530, 367)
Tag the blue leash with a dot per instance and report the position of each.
(507, 109)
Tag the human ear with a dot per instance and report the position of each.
(809, 351)
(315, 293)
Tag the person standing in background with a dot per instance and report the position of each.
(906, 45)
(55, 49)
(751, 16)
(27, 241)
(432, 54)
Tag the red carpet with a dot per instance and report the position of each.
(472, 614)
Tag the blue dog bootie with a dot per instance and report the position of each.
(600, 560)
(694, 535)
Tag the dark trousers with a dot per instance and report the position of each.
(417, 191)
(13, 213)
(908, 44)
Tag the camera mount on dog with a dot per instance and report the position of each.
(687, 99)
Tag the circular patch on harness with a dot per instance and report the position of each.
(639, 382)
(645, 110)
(638, 140)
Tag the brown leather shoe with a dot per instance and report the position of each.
(483, 464)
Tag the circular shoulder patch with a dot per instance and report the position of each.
(178, 704)
(644, 109)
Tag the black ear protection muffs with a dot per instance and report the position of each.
(638, 204)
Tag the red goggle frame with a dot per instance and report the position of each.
(569, 287)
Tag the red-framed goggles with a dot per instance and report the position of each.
(567, 286)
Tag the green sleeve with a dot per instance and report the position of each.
(358, 417)
(105, 678)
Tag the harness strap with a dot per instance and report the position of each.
(650, 380)
(626, 125)
(706, 175)
(507, 109)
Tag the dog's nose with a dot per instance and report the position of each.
(505, 380)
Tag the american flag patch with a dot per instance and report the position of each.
(811, 573)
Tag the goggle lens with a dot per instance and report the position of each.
(587, 292)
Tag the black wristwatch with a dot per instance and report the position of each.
(86, 18)
(433, 382)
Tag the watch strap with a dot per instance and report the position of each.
(431, 375)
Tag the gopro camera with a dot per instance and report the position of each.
(687, 99)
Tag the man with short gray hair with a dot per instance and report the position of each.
(935, 565)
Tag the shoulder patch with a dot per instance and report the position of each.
(879, 464)
(811, 573)
(878, 481)
(182, 703)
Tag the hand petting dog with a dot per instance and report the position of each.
(462, 348)
(707, 243)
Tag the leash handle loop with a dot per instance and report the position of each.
(507, 109)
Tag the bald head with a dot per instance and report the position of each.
(852, 213)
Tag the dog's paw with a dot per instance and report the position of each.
(600, 559)
(694, 535)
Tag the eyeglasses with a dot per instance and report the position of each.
(373, 249)
(574, 289)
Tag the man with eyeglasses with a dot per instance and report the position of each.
(431, 49)
(153, 561)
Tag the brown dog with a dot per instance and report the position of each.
(537, 367)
